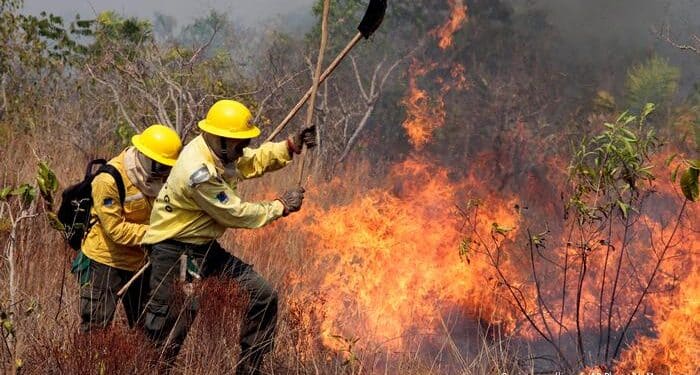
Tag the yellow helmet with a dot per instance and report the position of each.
(159, 143)
(229, 119)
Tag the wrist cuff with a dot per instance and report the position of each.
(292, 147)
(285, 211)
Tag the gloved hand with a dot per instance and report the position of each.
(291, 200)
(306, 137)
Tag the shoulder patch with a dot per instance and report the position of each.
(222, 197)
(199, 176)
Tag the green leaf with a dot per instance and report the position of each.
(650, 133)
(4, 192)
(539, 239)
(624, 207)
(619, 119)
(674, 174)
(500, 229)
(694, 163)
(689, 184)
(46, 179)
(648, 109)
(26, 192)
(465, 249)
(670, 159)
(628, 145)
(629, 135)
(8, 326)
(646, 171)
(54, 222)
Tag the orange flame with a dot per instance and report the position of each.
(457, 17)
(676, 349)
(397, 268)
(423, 114)
(457, 74)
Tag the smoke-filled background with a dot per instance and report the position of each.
(499, 187)
(599, 32)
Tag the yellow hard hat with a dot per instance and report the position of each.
(229, 119)
(159, 143)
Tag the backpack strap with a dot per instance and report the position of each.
(88, 171)
(107, 168)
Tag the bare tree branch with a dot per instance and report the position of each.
(665, 35)
(117, 98)
(360, 85)
(370, 100)
(277, 86)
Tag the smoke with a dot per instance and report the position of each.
(612, 34)
(248, 13)
(597, 24)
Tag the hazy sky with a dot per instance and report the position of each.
(247, 12)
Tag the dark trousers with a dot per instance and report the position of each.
(168, 324)
(98, 296)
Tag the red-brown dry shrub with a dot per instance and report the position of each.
(303, 320)
(213, 340)
(115, 350)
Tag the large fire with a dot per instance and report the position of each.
(399, 260)
(396, 273)
(396, 270)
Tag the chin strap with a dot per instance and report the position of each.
(224, 152)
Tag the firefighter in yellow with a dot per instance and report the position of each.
(194, 208)
(111, 252)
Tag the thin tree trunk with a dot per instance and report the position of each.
(356, 133)
(564, 284)
(541, 304)
(523, 310)
(651, 280)
(602, 288)
(614, 288)
(579, 290)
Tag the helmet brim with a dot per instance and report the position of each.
(138, 143)
(253, 132)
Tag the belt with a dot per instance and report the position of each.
(188, 247)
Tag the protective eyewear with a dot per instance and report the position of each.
(158, 169)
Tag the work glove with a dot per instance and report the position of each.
(305, 137)
(291, 200)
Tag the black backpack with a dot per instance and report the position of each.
(76, 203)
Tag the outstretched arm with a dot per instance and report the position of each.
(270, 156)
(223, 204)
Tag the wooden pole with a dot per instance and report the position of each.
(316, 82)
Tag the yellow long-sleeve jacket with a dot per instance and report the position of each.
(199, 200)
(115, 238)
